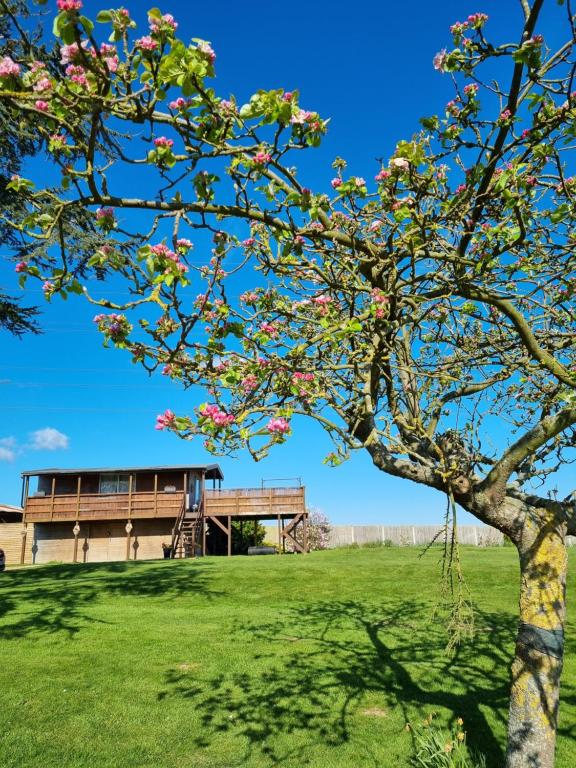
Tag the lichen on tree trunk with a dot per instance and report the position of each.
(537, 665)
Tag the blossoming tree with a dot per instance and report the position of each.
(411, 315)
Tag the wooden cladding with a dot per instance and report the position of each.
(96, 506)
(255, 502)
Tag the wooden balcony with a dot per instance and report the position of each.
(255, 502)
(102, 506)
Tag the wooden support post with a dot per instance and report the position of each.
(23, 549)
(305, 537)
(283, 539)
(76, 532)
(52, 498)
(229, 536)
(202, 509)
(155, 494)
(129, 497)
(279, 536)
(128, 538)
(78, 486)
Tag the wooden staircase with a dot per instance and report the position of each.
(187, 531)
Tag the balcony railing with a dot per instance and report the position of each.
(255, 502)
(103, 506)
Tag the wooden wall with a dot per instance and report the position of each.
(11, 542)
(101, 541)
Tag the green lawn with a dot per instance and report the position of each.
(291, 661)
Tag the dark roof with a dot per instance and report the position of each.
(212, 471)
(10, 514)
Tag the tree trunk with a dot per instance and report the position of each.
(537, 664)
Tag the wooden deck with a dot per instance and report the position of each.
(236, 502)
(255, 502)
(102, 506)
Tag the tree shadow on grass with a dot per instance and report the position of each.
(338, 656)
(58, 598)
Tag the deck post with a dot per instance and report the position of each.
(283, 539)
(76, 531)
(305, 531)
(128, 537)
(202, 510)
(229, 536)
(279, 536)
(23, 548)
(155, 494)
(52, 499)
(130, 496)
(78, 486)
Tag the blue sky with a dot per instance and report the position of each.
(368, 66)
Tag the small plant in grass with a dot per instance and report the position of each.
(434, 747)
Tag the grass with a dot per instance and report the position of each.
(289, 661)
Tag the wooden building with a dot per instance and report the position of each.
(118, 513)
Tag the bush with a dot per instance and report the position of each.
(436, 748)
(318, 531)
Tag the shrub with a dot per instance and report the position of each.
(436, 748)
(318, 531)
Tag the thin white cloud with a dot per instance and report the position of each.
(8, 442)
(6, 454)
(48, 439)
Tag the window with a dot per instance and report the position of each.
(114, 483)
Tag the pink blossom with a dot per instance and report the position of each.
(505, 115)
(477, 19)
(165, 420)
(400, 164)
(42, 85)
(322, 300)
(439, 60)
(184, 244)
(217, 416)
(375, 226)
(249, 242)
(69, 53)
(249, 383)
(460, 189)
(8, 67)
(21, 266)
(207, 50)
(249, 297)
(471, 90)
(69, 5)
(382, 175)
(227, 106)
(47, 286)
(77, 74)
(278, 426)
(298, 376)
(146, 43)
(178, 104)
(167, 20)
(337, 182)
(261, 158)
(270, 329)
(287, 96)
(104, 213)
(98, 318)
(301, 117)
(162, 141)
(41, 106)
(359, 181)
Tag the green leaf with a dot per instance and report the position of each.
(103, 16)
(87, 24)
(155, 13)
